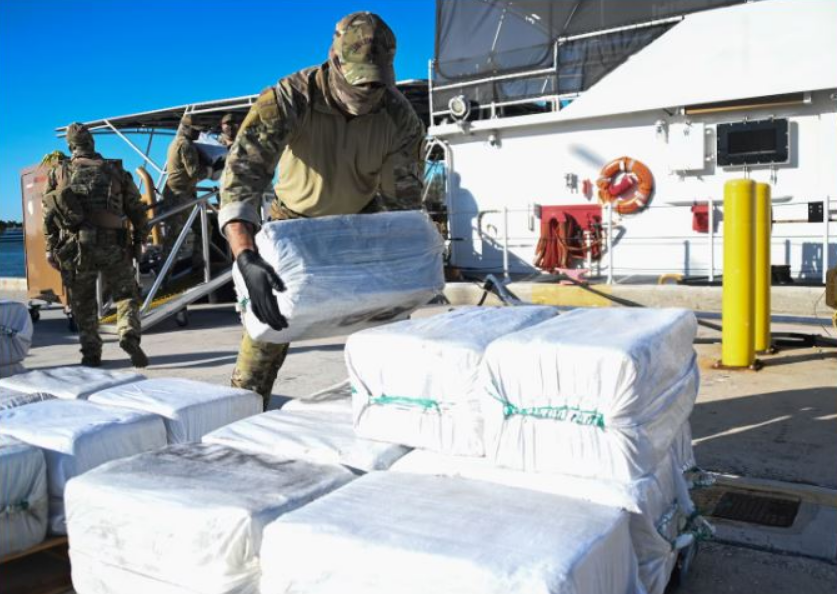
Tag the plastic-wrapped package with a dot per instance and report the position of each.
(591, 393)
(416, 382)
(189, 518)
(13, 398)
(15, 332)
(23, 496)
(77, 436)
(392, 532)
(190, 409)
(659, 503)
(322, 437)
(343, 273)
(69, 383)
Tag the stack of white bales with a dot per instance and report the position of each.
(593, 404)
(15, 336)
(68, 383)
(417, 382)
(189, 409)
(343, 273)
(76, 436)
(187, 518)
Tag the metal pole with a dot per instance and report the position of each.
(588, 242)
(711, 240)
(506, 242)
(430, 90)
(826, 215)
(127, 140)
(610, 243)
(170, 260)
(207, 272)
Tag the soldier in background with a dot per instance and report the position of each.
(184, 171)
(229, 130)
(86, 203)
(346, 141)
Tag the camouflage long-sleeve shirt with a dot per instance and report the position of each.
(183, 166)
(328, 163)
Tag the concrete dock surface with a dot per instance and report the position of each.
(770, 432)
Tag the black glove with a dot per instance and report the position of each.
(261, 281)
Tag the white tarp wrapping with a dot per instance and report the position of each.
(190, 409)
(660, 504)
(416, 382)
(392, 532)
(70, 383)
(598, 393)
(15, 332)
(322, 437)
(24, 506)
(184, 519)
(77, 436)
(13, 398)
(343, 273)
(334, 399)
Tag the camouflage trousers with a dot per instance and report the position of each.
(120, 279)
(258, 365)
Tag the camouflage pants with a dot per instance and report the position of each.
(258, 365)
(120, 279)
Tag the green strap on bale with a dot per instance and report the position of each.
(423, 403)
(570, 414)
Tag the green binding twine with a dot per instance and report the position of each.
(571, 414)
(423, 403)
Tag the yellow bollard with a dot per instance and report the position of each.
(763, 343)
(737, 347)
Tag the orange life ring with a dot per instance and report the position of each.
(637, 176)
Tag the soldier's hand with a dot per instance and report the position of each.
(50, 257)
(261, 281)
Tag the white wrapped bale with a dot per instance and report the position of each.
(417, 382)
(343, 273)
(77, 436)
(15, 332)
(322, 437)
(597, 393)
(184, 519)
(393, 532)
(69, 383)
(24, 506)
(190, 409)
(660, 505)
(13, 398)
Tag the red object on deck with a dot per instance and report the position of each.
(562, 235)
(625, 184)
(700, 218)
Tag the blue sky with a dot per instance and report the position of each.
(79, 60)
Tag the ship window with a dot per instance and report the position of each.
(753, 143)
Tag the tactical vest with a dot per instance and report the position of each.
(98, 184)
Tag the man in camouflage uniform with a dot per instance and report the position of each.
(185, 170)
(229, 130)
(86, 201)
(346, 141)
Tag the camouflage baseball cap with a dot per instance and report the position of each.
(365, 47)
(79, 135)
